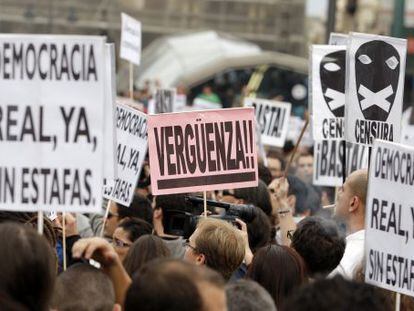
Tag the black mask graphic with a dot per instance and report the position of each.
(332, 74)
(377, 69)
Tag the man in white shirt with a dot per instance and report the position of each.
(350, 207)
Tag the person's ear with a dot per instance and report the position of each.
(200, 259)
(354, 204)
(291, 199)
(117, 307)
(157, 213)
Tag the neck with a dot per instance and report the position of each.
(158, 227)
(356, 224)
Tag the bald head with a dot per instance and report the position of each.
(358, 182)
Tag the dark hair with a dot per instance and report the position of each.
(298, 188)
(135, 227)
(27, 218)
(259, 230)
(83, 287)
(171, 202)
(246, 295)
(258, 196)
(337, 294)
(169, 285)
(279, 269)
(140, 208)
(319, 243)
(146, 248)
(27, 267)
(264, 173)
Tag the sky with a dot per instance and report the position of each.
(316, 8)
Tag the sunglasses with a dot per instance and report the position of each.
(119, 243)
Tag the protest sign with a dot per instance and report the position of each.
(52, 122)
(130, 49)
(131, 148)
(204, 104)
(202, 150)
(374, 88)
(272, 118)
(328, 159)
(164, 101)
(338, 39)
(109, 129)
(389, 221)
(328, 91)
(180, 102)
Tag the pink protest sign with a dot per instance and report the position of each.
(202, 150)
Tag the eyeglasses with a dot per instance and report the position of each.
(118, 243)
(187, 244)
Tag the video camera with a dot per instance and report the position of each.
(184, 222)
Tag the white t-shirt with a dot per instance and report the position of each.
(353, 256)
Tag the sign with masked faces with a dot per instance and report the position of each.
(328, 91)
(374, 88)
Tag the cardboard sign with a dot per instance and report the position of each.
(338, 39)
(328, 91)
(52, 107)
(130, 39)
(328, 158)
(389, 221)
(109, 129)
(202, 150)
(164, 100)
(272, 118)
(131, 150)
(375, 88)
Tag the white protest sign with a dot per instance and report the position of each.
(51, 131)
(389, 221)
(204, 104)
(202, 150)
(374, 88)
(273, 119)
(130, 49)
(328, 91)
(180, 102)
(338, 39)
(109, 129)
(328, 157)
(164, 101)
(131, 150)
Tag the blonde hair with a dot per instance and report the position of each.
(221, 244)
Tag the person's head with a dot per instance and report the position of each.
(146, 248)
(297, 196)
(264, 173)
(319, 243)
(337, 294)
(27, 267)
(279, 269)
(140, 208)
(216, 244)
(84, 288)
(258, 196)
(259, 230)
(163, 204)
(304, 167)
(127, 232)
(276, 164)
(207, 89)
(351, 198)
(176, 286)
(246, 295)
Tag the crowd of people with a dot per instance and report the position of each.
(292, 254)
